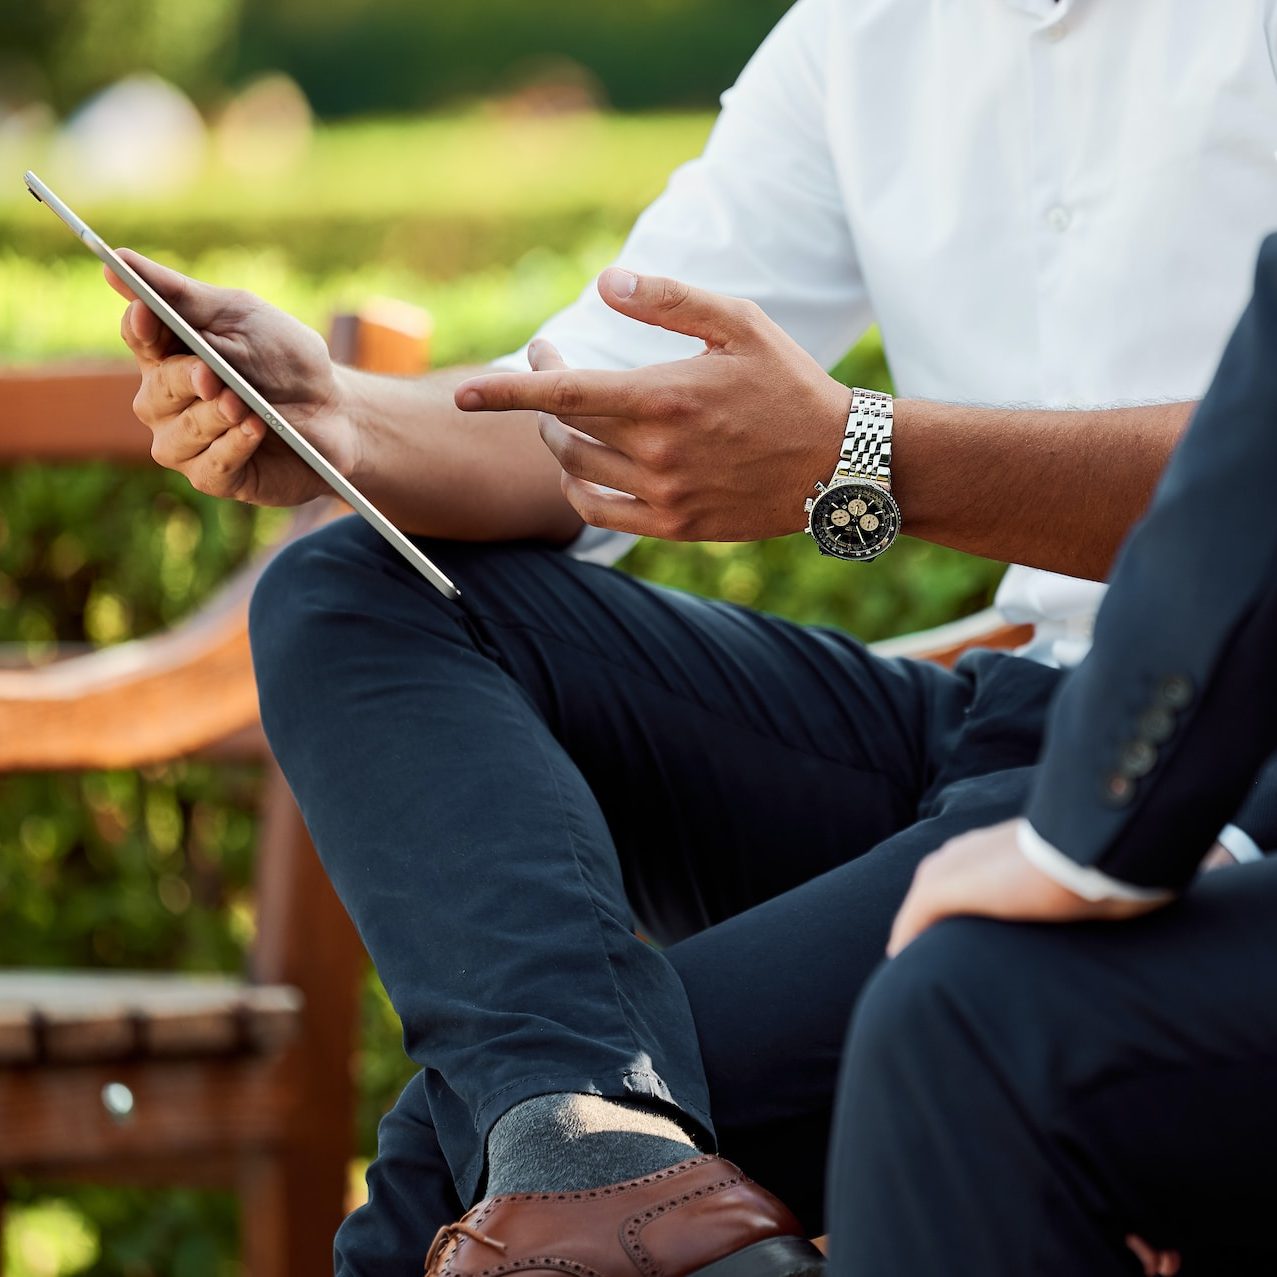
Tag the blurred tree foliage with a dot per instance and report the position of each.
(370, 56)
(70, 48)
(154, 869)
(353, 56)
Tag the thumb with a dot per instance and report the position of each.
(680, 308)
(198, 303)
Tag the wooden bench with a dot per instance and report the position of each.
(161, 1079)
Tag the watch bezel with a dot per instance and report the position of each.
(836, 487)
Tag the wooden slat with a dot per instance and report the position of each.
(946, 643)
(54, 1117)
(386, 336)
(84, 1017)
(73, 411)
(139, 703)
(172, 694)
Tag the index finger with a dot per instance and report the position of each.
(560, 392)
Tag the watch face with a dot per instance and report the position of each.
(855, 520)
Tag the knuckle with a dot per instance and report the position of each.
(202, 480)
(217, 479)
(672, 294)
(678, 526)
(143, 403)
(666, 403)
(187, 422)
(671, 493)
(658, 453)
(579, 498)
(748, 318)
(565, 397)
(571, 454)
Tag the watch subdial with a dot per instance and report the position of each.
(855, 520)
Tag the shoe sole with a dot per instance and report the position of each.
(776, 1257)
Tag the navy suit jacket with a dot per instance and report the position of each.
(1158, 736)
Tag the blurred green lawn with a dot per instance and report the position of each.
(489, 222)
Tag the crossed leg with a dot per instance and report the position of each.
(499, 790)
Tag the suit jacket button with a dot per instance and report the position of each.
(1138, 758)
(1118, 790)
(1175, 692)
(1156, 726)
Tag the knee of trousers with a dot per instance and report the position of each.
(327, 588)
(319, 575)
(959, 992)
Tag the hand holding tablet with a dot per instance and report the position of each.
(224, 442)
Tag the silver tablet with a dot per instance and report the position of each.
(253, 398)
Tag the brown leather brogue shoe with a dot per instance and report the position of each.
(702, 1217)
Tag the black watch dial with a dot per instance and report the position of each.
(855, 520)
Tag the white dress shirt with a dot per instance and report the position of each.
(1053, 203)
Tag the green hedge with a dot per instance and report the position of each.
(352, 57)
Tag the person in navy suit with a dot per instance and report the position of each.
(1026, 1099)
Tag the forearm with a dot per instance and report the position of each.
(437, 471)
(1054, 490)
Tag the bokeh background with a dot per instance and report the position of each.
(480, 159)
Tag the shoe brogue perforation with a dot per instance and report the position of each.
(632, 1233)
(697, 1214)
(533, 1262)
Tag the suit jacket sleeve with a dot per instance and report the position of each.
(1258, 814)
(1157, 737)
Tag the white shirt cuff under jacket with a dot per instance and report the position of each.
(1239, 844)
(1081, 880)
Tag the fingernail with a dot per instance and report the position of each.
(247, 428)
(621, 283)
(470, 400)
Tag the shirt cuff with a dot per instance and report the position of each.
(1081, 880)
(1239, 844)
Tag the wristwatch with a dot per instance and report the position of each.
(855, 516)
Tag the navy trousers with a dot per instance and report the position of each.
(503, 789)
(1017, 1099)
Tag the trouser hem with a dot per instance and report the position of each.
(631, 1084)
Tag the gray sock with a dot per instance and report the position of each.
(563, 1143)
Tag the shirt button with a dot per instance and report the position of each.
(1059, 218)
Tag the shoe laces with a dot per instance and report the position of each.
(451, 1232)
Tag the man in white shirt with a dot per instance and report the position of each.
(1052, 205)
